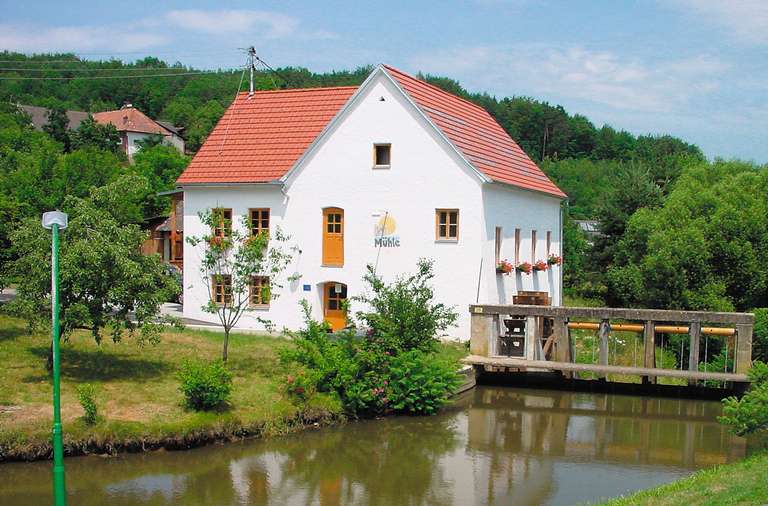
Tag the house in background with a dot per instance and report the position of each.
(39, 117)
(134, 126)
(385, 173)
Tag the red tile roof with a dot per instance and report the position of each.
(476, 135)
(130, 120)
(259, 139)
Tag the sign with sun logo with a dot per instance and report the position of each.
(384, 232)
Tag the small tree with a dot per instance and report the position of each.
(107, 284)
(238, 268)
(90, 133)
(402, 315)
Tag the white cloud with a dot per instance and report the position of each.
(269, 24)
(747, 20)
(25, 38)
(601, 77)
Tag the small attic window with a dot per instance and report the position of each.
(382, 155)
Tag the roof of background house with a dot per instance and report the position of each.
(170, 126)
(259, 139)
(130, 119)
(39, 116)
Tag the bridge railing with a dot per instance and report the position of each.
(544, 333)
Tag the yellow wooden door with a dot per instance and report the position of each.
(333, 236)
(334, 295)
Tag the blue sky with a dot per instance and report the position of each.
(697, 69)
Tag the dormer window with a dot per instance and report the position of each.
(382, 156)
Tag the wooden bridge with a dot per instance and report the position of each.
(523, 338)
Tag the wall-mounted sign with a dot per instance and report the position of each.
(384, 232)
(307, 288)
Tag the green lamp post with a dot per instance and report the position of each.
(55, 221)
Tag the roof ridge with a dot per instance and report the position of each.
(437, 88)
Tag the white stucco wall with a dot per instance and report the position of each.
(135, 137)
(512, 208)
(425, 174)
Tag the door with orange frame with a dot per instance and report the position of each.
(333, 237)
(334, 295)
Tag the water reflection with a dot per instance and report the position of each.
(496, 446)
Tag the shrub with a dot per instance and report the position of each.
(402, 315)
(749, 414)
(419, 384)
(301, 385)
(367, 379)
(340, 364)
(205, 385)
(85, 394)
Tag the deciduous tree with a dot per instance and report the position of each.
(231, 257)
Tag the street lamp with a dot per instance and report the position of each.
(55, 221)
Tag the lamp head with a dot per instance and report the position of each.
(55, 218)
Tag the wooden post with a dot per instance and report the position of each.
(693, 356)
(562, 343)
(605, 330)
(531, 335)
(743, 354)
(649, 346)
(174, 233)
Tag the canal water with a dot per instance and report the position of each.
(496, 445)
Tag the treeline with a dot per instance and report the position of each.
(196, 102)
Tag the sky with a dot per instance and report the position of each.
(697, 69)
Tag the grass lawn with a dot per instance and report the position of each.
(137, 389)
(730, 484)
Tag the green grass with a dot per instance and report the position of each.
(138, 394)
(729, 484)
(137, 389)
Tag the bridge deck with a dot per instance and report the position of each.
(524, 365)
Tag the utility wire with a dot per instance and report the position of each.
(135, 76)
(104, 69)
(278, 74)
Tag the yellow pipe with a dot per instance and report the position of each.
(667, 329)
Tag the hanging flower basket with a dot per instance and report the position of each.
(540, 265)
(555, 260)
(504, 267)
(525, 268)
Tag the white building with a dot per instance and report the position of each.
(385, 173)
(134, 127)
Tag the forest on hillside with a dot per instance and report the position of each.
(676, 230)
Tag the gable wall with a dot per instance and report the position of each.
(425, 175)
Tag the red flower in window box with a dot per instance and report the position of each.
(504, 267)
(555, 260)
(540, 265)
(525, 268)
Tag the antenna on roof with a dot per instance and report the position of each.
(251, 67)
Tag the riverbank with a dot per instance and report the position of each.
(738, 483)
(139, 403)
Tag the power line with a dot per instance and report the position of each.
(107, 69)
(135, 76)
(278, 74)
